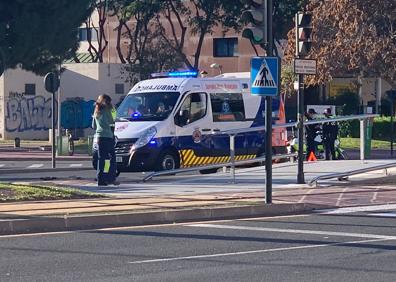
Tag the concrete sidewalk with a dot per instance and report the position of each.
(44, 216)
(184, 198)
(65, 215)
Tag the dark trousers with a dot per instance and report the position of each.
(106, 152)
(311, 147)
(329, 149)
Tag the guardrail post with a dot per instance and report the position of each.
(362, 138)
(232, 156)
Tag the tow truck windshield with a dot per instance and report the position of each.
(148, 106)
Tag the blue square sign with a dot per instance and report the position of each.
(265, 76)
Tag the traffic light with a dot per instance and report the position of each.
(256, 16)
(303, 33)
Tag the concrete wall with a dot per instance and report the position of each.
(30, 116)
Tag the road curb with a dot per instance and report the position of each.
(84, 222)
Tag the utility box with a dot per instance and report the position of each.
(63, 146)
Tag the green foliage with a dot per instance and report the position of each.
(287, 79)
(381, 128)
(346, 128)
(147, 51)
(38, 34)
(386, 107)
(348, 101)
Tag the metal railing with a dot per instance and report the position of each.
(232, 163)
(234, 132)
(226, 164)
(362, 118)
(345, 175)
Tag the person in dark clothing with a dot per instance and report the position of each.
(330, 133)
(310, 133)
(103, 123)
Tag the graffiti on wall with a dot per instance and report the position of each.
(76, 113)
(23, 114)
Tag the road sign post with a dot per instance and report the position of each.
(303, 28)
(260, 32)
(265, 81)
(51, 83)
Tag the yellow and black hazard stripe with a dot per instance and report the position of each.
(189, 159)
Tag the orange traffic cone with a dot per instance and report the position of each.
(312, 157)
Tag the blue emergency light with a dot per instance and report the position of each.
(136, 115)
(189, 73)
(186, 73)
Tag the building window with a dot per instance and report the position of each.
(85, 33)
(227, 107)
(225, 47)
(119, 88)
(30, 89)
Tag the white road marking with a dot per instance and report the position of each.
(1, 165)
(340, 196)
(374, 197)
(35, 165)
(305, 195)
(254, 251)
(384, 214)
(75, 165)
(296, 231)
(358, 209)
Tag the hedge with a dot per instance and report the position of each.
(381, 128)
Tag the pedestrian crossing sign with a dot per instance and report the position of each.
(264, 76)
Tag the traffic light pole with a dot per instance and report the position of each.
(300, 116)
(53, 131)
(268, 111)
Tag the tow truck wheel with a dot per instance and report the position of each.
(167, 160)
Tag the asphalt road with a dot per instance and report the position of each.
(342, 245)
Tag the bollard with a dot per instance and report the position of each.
(362, 139)
(17, 143)
(232, 157)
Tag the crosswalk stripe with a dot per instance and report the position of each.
(35, 165)
(75, 165)
(358, 209)
(1, 165)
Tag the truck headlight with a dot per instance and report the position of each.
(145, 138)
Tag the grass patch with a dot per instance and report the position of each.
(19, 192)
(354, 143)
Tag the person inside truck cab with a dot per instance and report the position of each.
(160, 108)
(142, 109)
(131, 111)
